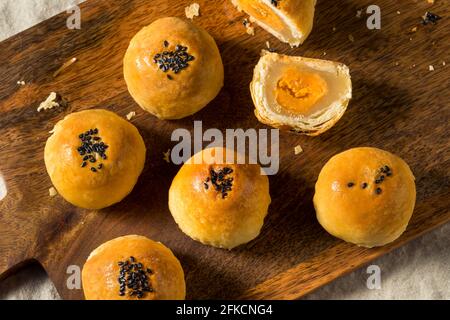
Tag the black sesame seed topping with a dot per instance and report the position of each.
(275, 2)
(169, 77)
(350, 184)
(220, 181)
(364, 185)
(383, 172)
(173, 60)
(91, 145)
(133, 278)
(378, 191)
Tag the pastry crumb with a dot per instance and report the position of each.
(443, 63)
(166, 156)
(192, 11)
(131, 115)
(268, 44)
(359, 13)
(334, 29)
(398, 12)
(51, 102)
(52, 192)
(21, 83)
(298, 149)
(431, 67)
(248, 27)
(351, 38)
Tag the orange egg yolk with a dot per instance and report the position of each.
(262, 12)
(299, 91)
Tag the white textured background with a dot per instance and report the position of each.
(419, 270)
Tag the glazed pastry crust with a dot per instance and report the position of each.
(361, 216)
(101, 270)
(124, 163)
(206, 217)
(188, 91)
(299, 13)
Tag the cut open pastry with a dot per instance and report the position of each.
(300, 94)
(290, 21)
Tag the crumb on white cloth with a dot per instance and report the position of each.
(131, 115)
(192, 11)
(49, 103)
(52, 192)
(298, 149)
(166, 156)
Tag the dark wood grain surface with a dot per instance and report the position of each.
(398, 105)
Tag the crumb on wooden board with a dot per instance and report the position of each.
(298, 149)
(50, 103)
(131, 115)
(192, 11)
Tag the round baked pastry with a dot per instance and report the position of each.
(173, 68)
(299, 94)
(291, 21)
(365, 196)
(94, 158)
(219, 204)
(133, 268)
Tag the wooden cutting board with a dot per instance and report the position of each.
(398, 105)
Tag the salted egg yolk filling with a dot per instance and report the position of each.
(262, 12)
(299, 92)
